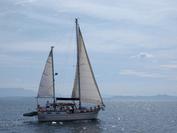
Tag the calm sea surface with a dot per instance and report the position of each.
(118, 117)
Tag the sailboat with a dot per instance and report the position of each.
(85, 101)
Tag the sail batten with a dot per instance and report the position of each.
(47, 83)
(89, 92)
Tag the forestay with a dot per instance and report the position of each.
(46, 83)
(89, 92)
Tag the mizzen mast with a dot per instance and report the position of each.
(78, 60)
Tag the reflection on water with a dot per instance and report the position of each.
(118, 117)
(83, 126)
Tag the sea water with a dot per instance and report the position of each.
(120, 116)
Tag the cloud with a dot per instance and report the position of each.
(143, 55)
(130, 72)
(153, 74)
(17, 61)
(22, 2)
(34, 47)
(138, 29)
(36, 20)
(137, 11)
(169, 66)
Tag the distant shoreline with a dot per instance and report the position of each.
(114, 98)
(146, 98)
(27, 93)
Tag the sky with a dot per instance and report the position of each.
(132, 44)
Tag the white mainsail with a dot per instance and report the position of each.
(84, 78)
(47, 83)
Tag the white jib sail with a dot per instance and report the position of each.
(89, 92)
(46, 83)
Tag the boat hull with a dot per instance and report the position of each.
(63, 116)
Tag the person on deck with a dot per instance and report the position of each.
(47, 104)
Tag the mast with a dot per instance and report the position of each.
(85, 87)
(78, 61)
(54, 101)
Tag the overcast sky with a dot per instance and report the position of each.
(132, 44)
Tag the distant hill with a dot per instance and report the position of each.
(146, 98)
(11, 92)
(20, 92)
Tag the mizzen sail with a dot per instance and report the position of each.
(46, 86)
(85, 86)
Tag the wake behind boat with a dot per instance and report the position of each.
(85, 101)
